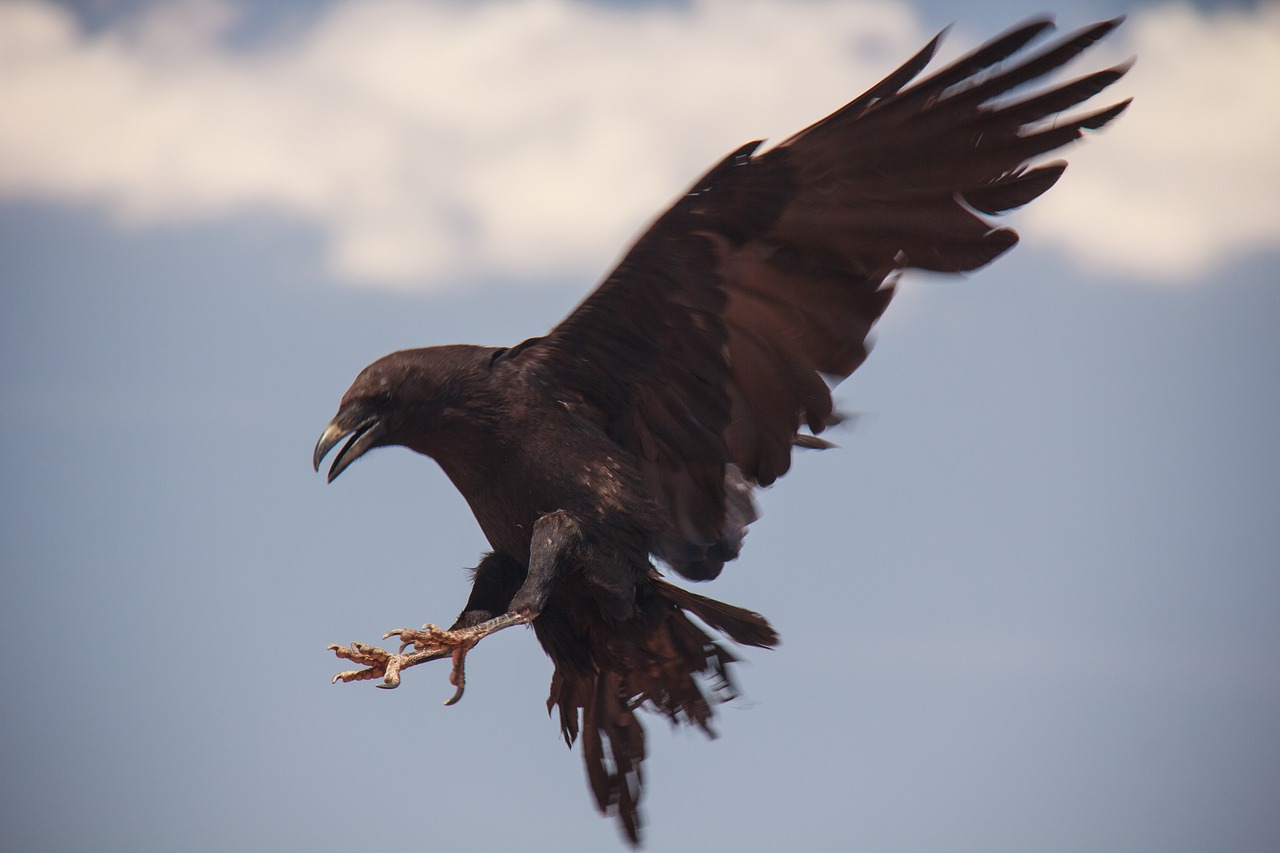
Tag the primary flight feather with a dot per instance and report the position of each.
(639, 426)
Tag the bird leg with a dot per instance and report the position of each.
(557, 540)
(429, 643)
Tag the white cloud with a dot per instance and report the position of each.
(1190, 176)
(456, 140)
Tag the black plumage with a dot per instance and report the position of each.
(640, 425)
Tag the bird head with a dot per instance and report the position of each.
(366, 414)
(409, 398)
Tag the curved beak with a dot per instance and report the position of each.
(364, 436)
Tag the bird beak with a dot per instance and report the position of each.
(363, 436)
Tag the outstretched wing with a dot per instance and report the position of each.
(710, 347)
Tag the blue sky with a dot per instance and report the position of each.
(1031, 603)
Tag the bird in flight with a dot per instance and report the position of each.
(637, 429)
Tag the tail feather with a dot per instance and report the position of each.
(740, 625)
(658, 659)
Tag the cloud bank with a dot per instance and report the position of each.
(453, 141)
(1190, 177)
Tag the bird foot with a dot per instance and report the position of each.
(429, 643)
(378, 663)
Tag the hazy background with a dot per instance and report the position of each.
(1031, 604)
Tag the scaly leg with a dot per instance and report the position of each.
(556, 540)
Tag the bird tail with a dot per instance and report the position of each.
(660, 659)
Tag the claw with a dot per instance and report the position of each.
(391, 680)
(374, 659)
(458, 675)
(399, 632)
(349, 675)
(424, 638)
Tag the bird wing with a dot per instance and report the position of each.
(710, 347)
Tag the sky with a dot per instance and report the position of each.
(1032, 601)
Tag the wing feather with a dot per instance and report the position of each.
(712, 344)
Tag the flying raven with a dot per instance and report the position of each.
(639, 426)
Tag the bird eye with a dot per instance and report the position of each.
(383, 399)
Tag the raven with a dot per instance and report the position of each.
(639, 427)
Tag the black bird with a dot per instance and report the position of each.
(639, 426)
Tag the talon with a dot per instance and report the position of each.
(424, 639)
(373, 658)
(391, 678)
(458, 675)
(399, 632)
(350, 675)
